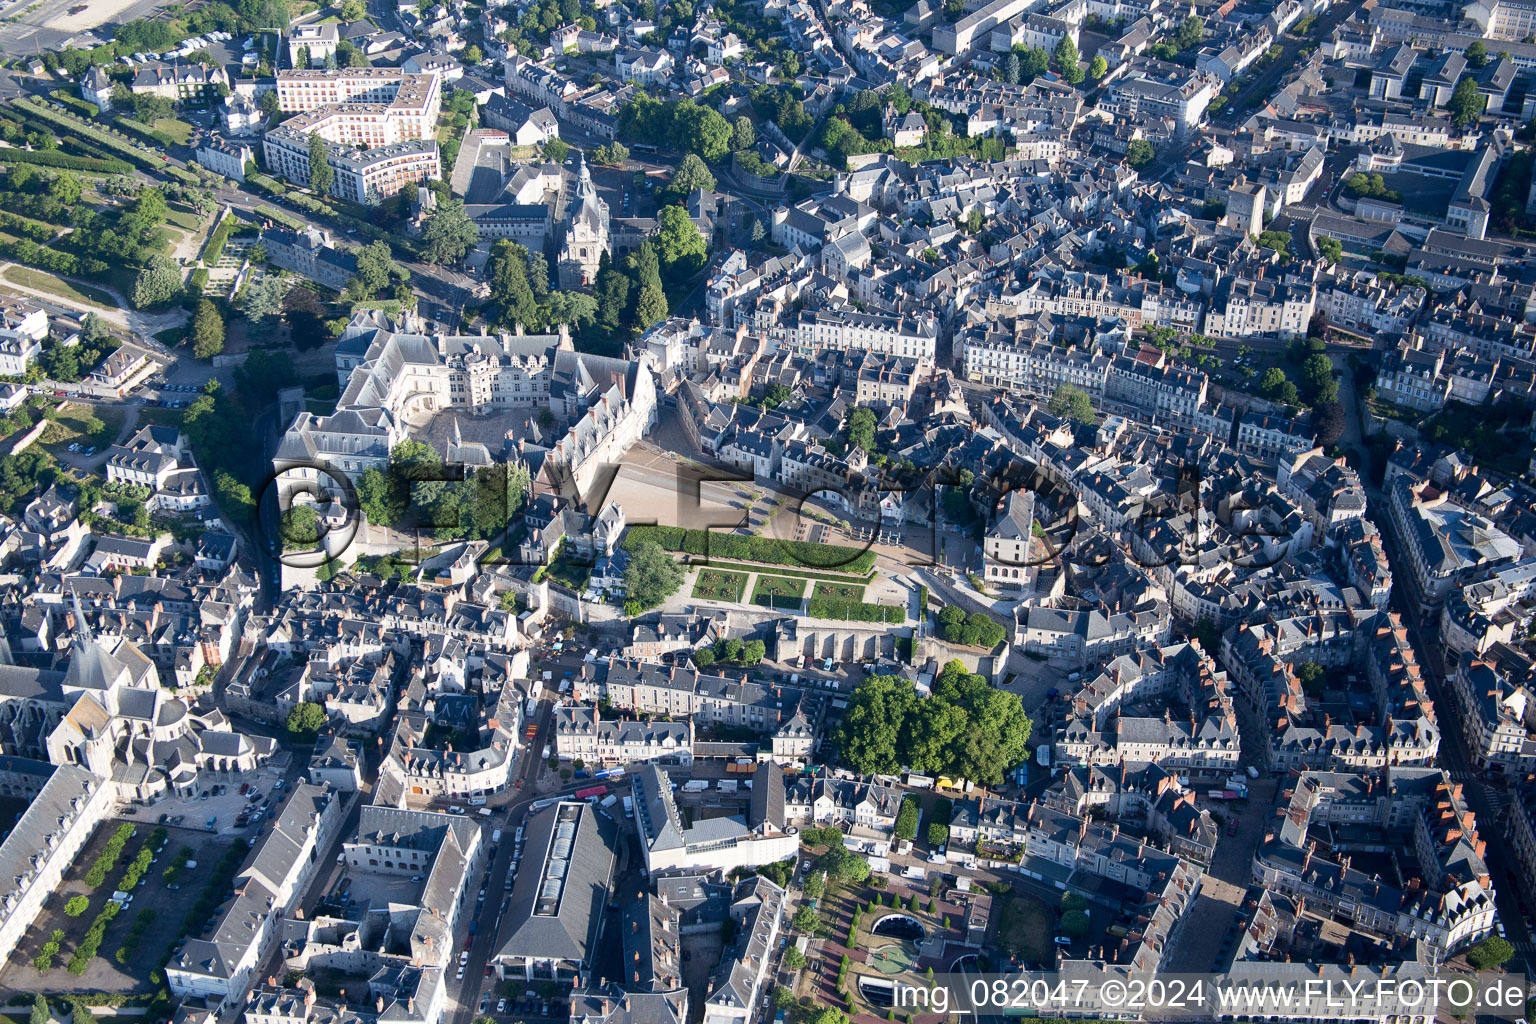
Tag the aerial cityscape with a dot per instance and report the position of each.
(767, 511)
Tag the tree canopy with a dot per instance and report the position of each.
(1072, 402)
(207, 330)
(965, 728)
(977, 629)
(448, 233)
(307, 717)
(651, 577)
(320, 173)
(1467, 103)
(683, 249)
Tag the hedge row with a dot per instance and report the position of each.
(86, 951)
(26, 228)
(53, 158)
(126, 150)
(855, 611)
(906, 818)
(144, 132)
(280, 217)
(174, 868)
(31, 254)
(766, 550)
(85, 108)
(215, 247)
(136, 870)
(107, 860)
(135, 934)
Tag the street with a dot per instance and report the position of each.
(1484, 800)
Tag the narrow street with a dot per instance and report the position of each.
(1485, 801)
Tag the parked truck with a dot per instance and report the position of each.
(729, 785)
(695, 785)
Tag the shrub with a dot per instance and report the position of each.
(855, 611)
(107, 859)
(906, 819)
(1491, 952)
(216, 241)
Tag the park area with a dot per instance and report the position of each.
(718, 585)
(778, 592)
(839, 591)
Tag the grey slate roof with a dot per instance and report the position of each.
(558, 899)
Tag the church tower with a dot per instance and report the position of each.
(586, 233)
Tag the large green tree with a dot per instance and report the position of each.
(965, 728)
(1066, 59)
(871, 739)
(1072, 402)
(448, 233)
(743, 134)
(682, 246)
(1467, 103)
(158, 283)
(652, 576)
(306, 718)
(207, 331)
(861, 428)
(510, 288)
(320, 173)
(376, 267)
(691, 174)
(263, 297)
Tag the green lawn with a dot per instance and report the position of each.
(176, 128)
(778, 592)
(89, 425)
(46, 282)
(840, 591)
(717, 585)
(185, 217)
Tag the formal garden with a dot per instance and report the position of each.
(778, 592)
(719, 585)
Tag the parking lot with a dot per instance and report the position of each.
(168, 900)
(223, 802)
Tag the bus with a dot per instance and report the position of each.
(591, 792)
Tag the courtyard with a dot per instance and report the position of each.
(134, 942)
